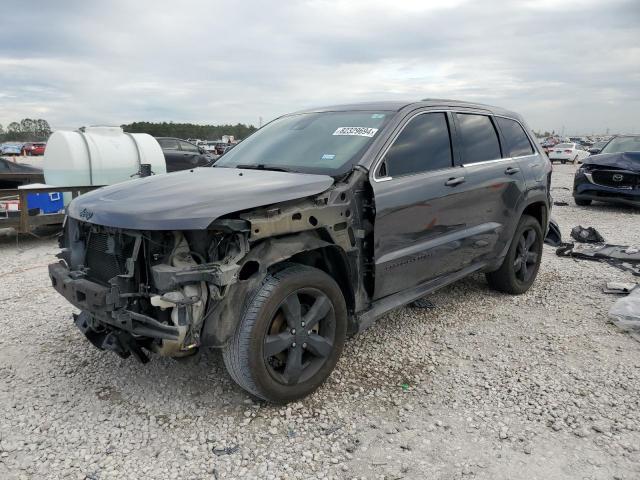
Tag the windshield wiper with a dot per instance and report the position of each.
(262, 166)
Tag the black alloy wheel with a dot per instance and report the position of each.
(289, 336)
(526, 257)
(300, 336)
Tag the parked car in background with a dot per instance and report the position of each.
(33, 148)
(597, 147)
(182, 155)
(612, 176)
(211, 148)
(567, 152)
(8, 149)
(312, 228)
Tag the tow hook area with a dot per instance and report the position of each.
(119, 342)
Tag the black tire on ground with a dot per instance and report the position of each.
(582, 203)
(520, 266)
(290, 335)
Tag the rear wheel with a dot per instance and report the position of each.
(520, 267)
(290, 336)
(582, 203)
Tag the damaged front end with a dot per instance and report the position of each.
(170, 292)
(145, 290)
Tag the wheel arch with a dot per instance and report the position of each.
(305, 248)
(539, 211)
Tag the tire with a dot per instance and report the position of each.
(302, 358)
(582, 203)
(563, 162)
(522, 262)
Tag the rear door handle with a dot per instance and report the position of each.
(452, 182)
(511, 170)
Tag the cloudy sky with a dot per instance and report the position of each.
(568, 63)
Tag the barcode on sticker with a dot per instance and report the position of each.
(357, 131)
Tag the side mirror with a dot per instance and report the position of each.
(594, 151)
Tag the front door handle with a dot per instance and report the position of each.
(511, 170)
(452, 182)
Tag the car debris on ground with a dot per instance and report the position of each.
(620, 256)
(586, 235)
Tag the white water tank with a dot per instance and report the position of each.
(99, 156)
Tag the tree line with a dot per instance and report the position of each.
(190, 130)
(26, 130)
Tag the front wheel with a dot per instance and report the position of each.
(520, 266)
(290, 336)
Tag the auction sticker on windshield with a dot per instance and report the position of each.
(356, 131)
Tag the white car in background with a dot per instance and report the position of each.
(567, 152)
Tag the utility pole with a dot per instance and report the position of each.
(259, 122)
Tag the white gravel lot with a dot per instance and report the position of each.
(484, 386)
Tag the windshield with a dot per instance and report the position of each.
(622, 144)
(564, 145)
(327, 143)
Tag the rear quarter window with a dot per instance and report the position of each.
(168, 143)
(517, 142)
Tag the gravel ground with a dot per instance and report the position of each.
(483, 386)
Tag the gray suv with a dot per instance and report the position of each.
(313, 227)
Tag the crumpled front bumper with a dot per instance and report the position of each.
(102, 311)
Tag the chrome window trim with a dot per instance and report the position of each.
(377, 163)
(379, 160)
(486, 162)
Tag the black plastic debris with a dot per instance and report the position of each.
(622, 257)
(219, 451)
(553, 237)
(423, 303)
(586, 235)
(560, 203)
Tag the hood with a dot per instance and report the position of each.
(191, 199)
(624, 160)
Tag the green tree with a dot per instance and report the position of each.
(27, 125)
(14, 127)
(190, 130)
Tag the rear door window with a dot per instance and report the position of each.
(423, 145)
(188, 147)
(168, 143)
(479, 139)
(518, 144)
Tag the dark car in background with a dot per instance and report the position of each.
(612, 175)
(310, 229)
(182, 155)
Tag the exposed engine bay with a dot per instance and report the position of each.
(170, 292)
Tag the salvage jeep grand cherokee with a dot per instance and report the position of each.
(307, 231)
